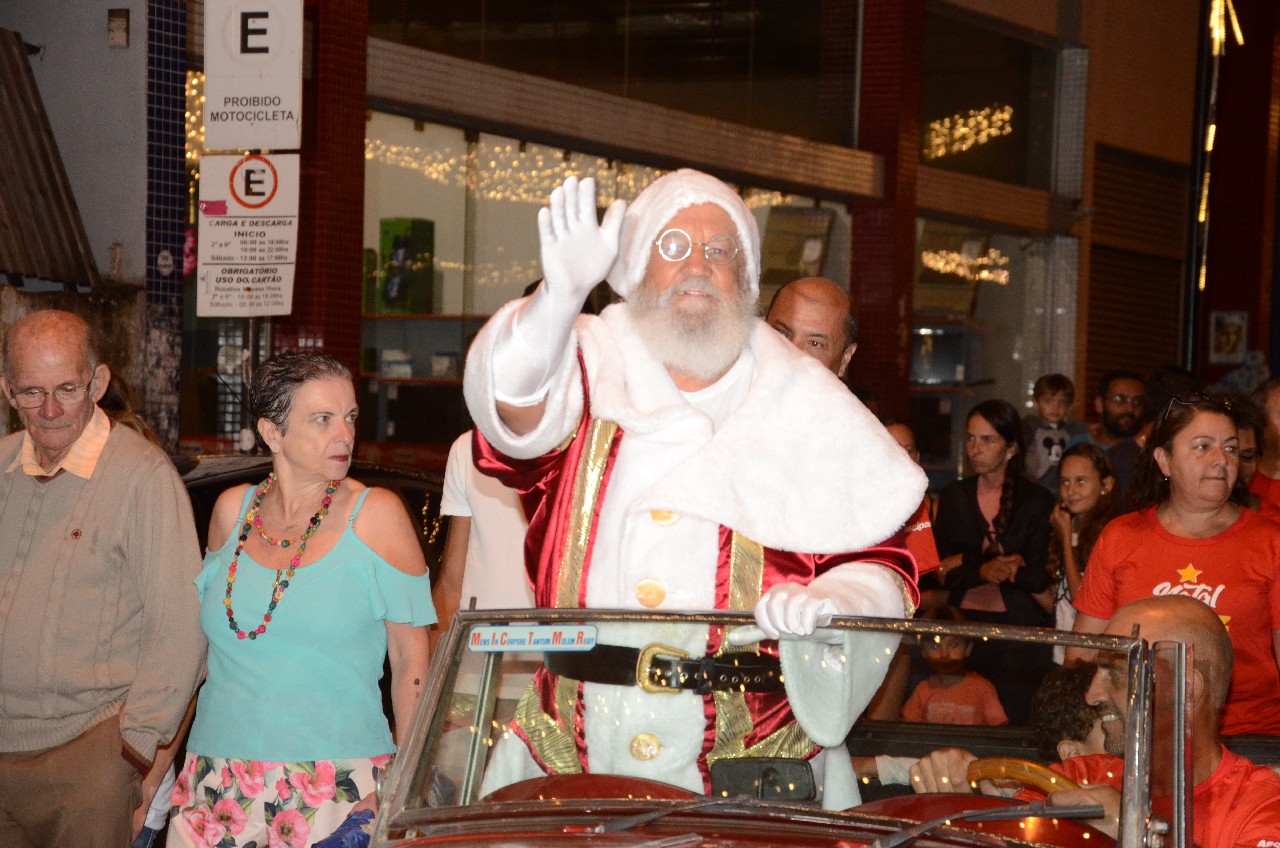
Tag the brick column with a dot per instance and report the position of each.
(884, 235)
(326, 297)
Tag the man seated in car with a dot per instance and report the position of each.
(1235, 803)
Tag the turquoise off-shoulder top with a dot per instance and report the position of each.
(306, 689)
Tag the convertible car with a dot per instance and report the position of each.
(467, 773)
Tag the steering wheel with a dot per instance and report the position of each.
(1025, 772)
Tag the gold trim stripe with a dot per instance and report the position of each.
(746, 573)
(552, 742)
(586, 492)
(733, 723)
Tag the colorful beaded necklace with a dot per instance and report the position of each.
(253, 518)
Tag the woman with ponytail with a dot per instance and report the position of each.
(992, 531)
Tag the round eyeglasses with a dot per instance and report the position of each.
(67, 395)
(675, 245)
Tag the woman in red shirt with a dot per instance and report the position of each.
(1188, 537)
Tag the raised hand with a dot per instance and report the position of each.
(576, 251)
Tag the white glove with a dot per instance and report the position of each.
(576, 254)
(790, 609)
(576, 251)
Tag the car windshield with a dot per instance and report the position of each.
(556, 721)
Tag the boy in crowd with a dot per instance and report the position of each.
(952, 694)
(1046, 430)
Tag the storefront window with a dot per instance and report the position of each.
(978, 331)
(451, 235)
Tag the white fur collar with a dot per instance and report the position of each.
(800, 466)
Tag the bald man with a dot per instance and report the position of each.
(1235, 804)
(100, 641)
(816, 315)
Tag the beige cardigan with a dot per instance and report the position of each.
(97, 606)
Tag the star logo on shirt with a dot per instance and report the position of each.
(1189, 574)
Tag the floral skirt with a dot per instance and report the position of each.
(222, 803)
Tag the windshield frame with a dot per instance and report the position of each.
(394, 819)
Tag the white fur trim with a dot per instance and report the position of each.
(563, 395)
(801, 465)
(658, 203)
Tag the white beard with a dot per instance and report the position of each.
(702, 345)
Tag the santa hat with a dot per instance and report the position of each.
(649, 213)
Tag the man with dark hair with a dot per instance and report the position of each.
(1064, 723)
(816, 315)
(1119, 404)
(100, 642)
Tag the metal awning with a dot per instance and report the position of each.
(41, 234)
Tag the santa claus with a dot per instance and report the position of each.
(675, 453)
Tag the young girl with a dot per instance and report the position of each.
(1086, 487)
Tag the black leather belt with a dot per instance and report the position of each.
(662, 669)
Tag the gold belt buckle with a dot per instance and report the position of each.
(645, 670)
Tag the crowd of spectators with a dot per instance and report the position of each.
(1057, 523)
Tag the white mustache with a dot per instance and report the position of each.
(699, 284)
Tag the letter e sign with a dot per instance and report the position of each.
(253, 182)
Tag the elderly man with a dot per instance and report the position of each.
(100, 642)
(1235, 804)
(816, 315)
(675, 453)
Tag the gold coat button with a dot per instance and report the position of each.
(645, 746)
(664, 517)
(651, 592)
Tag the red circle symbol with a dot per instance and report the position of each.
(275, 181)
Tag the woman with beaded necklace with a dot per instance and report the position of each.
(311, 579)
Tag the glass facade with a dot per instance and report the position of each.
(450, 213)
(451, 235)
(979, 331)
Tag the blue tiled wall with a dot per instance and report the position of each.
(166, 194)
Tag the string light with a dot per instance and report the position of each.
(195, 118)
(958, 133)
(1221, 12)
(513, 171)
(988, 268)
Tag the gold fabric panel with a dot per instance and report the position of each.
(586, 491)
(790, 741)
(733, 719)
(552, 743)
(746, 573)
(733, 723)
